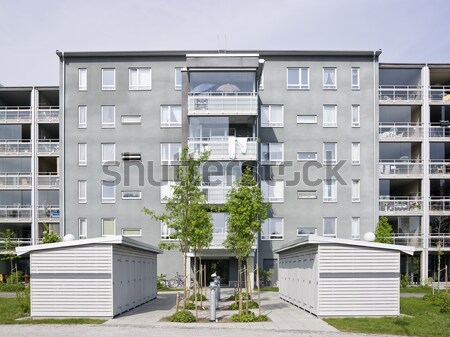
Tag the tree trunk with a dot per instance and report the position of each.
(239, 287)
(246, 285)
(200, 273)
(259, 290)
(195, 285)
(185, 281)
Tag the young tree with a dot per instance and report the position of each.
(49, 236)
(384, 232)
(8, 252)
(186, 212)
(246, 212)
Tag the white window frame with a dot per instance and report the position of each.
(139, 85)
(356, 190)
(166, 190)
(132, 229)
(271, 160)
(82, 191)
(168, 109)
(138, 197)
(108, 86)
(272, 237)
(334, 225)
(108, 125)
(306, 234)
(82, 79)
(356, 112)
(103, 226)
(313, 119)
(332, 123)
(300, 85)
(356, 153)
(178, 86)
(330, 185)
(329, 86)
(82, 152)
(82, 227)
(313, 156)
(356, 228)
(355, 86)
(170, 160)
(108, 161)
(108, 200)
(130, 119)
(82, 114)
(306, 194)
(166, 232)
(273, 190)
(269, 122)
(333, 161)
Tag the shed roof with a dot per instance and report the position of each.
(115, 240)
(317, 240)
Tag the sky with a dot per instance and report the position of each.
(32, 30)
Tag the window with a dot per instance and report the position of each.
(166, 232)
(330, 190)
(261, 81)
(272, 152)
(108, 226)
(306, 156)
(329, 78)
(82, 79)
(356, 190)
(82, 191)
(167, 190)
(82, 228)
(127, 156)
(178, 79)
(108, 191)
(131, 195)
(329, 227)
(140, 79)
(329, 115)
(109, 79)
(82, 117)
(131, 119)
(298, 78)
(304, 231)
(170, 153)
(329, 153)
(82, 154)
(356, 153)
(273, 229)
(355, 228)
(131, 232)
(108, 116)
(171, 116)
(306, 194)
(355, 78)
(355, 116)
(272, 116)
(306, 119)
(273, 190)
(108, 153)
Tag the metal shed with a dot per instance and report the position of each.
(339, 277)
(99, 277)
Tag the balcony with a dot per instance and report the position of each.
(400, 94)
(216, 194)
(48, 114)
(400, 205)
(16, 242)
(15, 148)
(48, 213)
(15, 114)
(442, 240)
(400, 132)
(49, 147)
(48, 180)
(439, 168)
(219, 237)
(439, 205)
(225, 148)
(439, 133)
(15, 181)
(439, 94)
(10, 213)
(400, 169)
(408, 240)
(222, 103)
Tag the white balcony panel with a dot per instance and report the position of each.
(439, 205)
(225, 148)
(242, 103)
(400, 131)
(48, 147)
(15, 148)
(48, 213)
(400, 205)
(48, 114)
(48, 180)
(439, 168)
(216, 194)
(16, 114)
(411, 94)
(439, 133)
(11, 213)
(439, 94)
(15, 180)
(401, 168)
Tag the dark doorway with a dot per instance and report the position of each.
(220, 267)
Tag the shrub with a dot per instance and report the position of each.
(23, 299)
(161, 283)
(189, 306)
(15, 277)
(200, 297)
(251, 305)
(404, 281)
(49, 236)
(11, 287)
(248, 317)
(433, 297)
(445, 305)
(236, 297)
(183, 316)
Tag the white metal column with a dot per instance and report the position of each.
(426, 173)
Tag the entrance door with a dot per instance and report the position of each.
(220, 267)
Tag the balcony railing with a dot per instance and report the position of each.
(48, 213)
(400, 131)
(400, 93)
(442, 240)
(48, 147)
(15, 148)
(439, 205)
(218, 239)
(400, 168)
(439, 94)
(216, 194)
(440, 132)
(11, 213)
(409, 205)
(15, 180)
(16, 241)
(15, 114)
(48, 180)
(439, 167)
(222, 103)
(408, 240)
(225, 148)
(48, 114)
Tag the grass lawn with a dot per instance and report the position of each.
(9, 312)
(274, 289)
(427, 321)
(416, 290)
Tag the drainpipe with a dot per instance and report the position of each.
(375, 141)
(62, 145)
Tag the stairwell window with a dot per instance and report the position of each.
(82, 191)
(272, 116)
(82, 79)
(140, 79)
(82, 117)
(355, 116)
(356, 190)
(355, 78)
(329, 78)
(82, 154)
(356, 153)
(108, 79)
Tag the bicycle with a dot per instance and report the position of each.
(178, 281)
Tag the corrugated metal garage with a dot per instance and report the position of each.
(100, 277)
(339, 277)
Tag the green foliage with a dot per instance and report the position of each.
(8, 252)
(417, 290)
(236, 297)
(11, 288)
(161, 282)
(49, 235)
(23, 300)
(445, 305)
(251, 305)
(274, 289)
(265, 276)
(15, 277)
(384, 232)
(200, 297)
(404, 281)
(190, 306)
(433, 297)
(183, 316)
(248, 316)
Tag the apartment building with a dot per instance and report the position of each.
(29, 164)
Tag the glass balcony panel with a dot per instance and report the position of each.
(48, 114)
(225, 148)
(15, 148)
(16, 114)
(15, 180)
(400, 93)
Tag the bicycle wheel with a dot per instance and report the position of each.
(173, 283)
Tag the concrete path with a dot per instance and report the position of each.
(7, 295)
